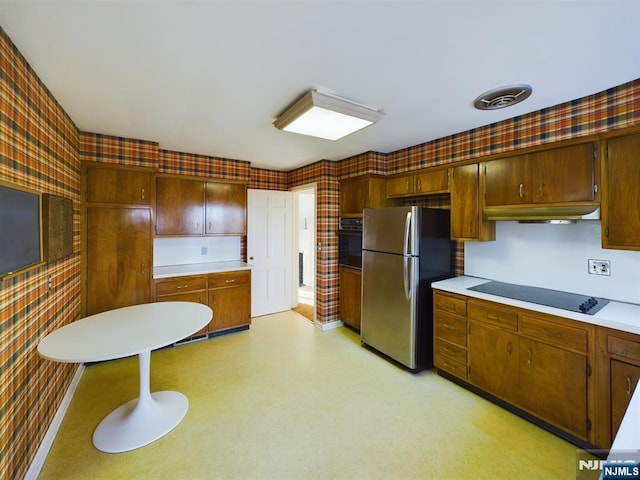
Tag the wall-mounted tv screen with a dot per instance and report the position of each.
(21, 237)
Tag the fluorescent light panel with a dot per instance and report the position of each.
(326, 116)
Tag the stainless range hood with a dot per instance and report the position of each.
(551, 214)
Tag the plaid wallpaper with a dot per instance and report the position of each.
(201, 165)
(40, 147)
(327, 209)
(263, 179)
(124, 151)
(39, 150)
(615, 108)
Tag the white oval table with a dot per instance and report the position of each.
(124, 332)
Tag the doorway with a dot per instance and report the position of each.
(304, 206)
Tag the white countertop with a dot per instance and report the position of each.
(198, 269)
(618, 315)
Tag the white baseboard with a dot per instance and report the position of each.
(43, 450)
(328, 325)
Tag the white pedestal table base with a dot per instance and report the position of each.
(142, 420)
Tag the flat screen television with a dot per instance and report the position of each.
(21, 230)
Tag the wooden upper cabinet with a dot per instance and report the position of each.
(466, 212)
(186, 206)
(564, 174)
(431, 182)
(558, 175)
(362, 192)
(225, 208)
(117, 184)
(508, 181)
(400, 186)
(179, 206)
(421, 183)
(621, 196)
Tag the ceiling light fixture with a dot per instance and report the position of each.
(326, 116)
(502, 97)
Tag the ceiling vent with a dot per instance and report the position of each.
(502, 97)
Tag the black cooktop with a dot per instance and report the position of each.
(573, 302)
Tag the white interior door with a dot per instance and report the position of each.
(270, 250)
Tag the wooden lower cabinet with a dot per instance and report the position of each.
(350, 296)
(494, 360)
(230, 300)
(553, 385)
(617, 377)
(536, 362)
(624, 379)
(228, 294)
(450, 333)
(184, 289)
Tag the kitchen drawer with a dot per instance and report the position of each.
(230, 279)
(487, 312)
(450, 303)
(451, 328)
(553, 333)
(450, 350)
(180, 285)
(453, 367)
(624, 347)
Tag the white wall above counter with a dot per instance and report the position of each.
(555, 257)
(188, 250)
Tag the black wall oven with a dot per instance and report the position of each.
(350, 242)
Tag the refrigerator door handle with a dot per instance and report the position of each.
(407, 231)
(408, 275)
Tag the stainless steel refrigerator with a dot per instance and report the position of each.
(404, 249)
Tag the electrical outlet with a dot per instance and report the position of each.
(203, 250)
(599, 267)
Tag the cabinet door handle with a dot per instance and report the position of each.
(492, 317)
(230, 281)
(521, 190)
(209, 226)
(628, 386)
(542, 190)
(142, 268)
(419, 185)
(529, 356)
(509, 348)
(450, 306)
(142, 194)
(182, 286)
(448, 327)
(408, 185)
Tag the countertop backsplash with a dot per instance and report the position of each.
(188, 250)
(556, 257)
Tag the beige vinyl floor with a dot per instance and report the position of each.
(285, 400)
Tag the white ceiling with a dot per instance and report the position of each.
(209, 77)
